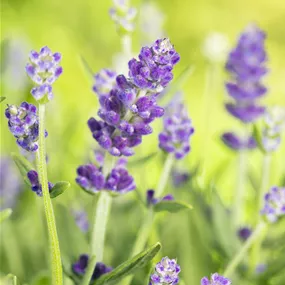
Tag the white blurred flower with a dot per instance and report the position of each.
(215, 47)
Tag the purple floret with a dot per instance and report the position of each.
(44, 69)
(23, 123)
(35, 183)
(216, 279)
(235, 142)
(166, 272)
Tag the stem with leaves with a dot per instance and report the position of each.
(145, 229)
(260, 228)
(56, 266)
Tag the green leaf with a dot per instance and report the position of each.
(5, 214)
(128, 267)
(171, 206)
(177, 84)
(24, 166)
(2, 98)
(142, 160)
(257, 134)
(59, 188)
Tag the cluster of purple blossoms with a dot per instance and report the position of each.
(128, 109)
(274, 125)
(10, 184)
(91, 178)
(151, 200)
(166, 272)
(123, 15)
(216, 279)
(177, 130)
(81, 265)
(274, 207)
(35, 183)
(43, 69)
(24, 125)
(246, 65)
(105, 81)
(233, 141)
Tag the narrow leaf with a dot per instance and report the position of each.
(5, 214)
(86, 66)
(171, 206)
(24, 166)
(59, 188)
(2, 98)
(128, 267)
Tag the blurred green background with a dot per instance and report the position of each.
(84, 29)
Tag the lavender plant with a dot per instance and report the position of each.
(27, 124)
(246, 64)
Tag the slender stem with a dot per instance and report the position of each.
(242, 252)
(241, 182)
(100, 225)
(263, 188)
(165, 175)
(126, 41)
(145, 230)
(56, 266)
(89, 272)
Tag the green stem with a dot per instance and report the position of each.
(242, 252)
(89, 272)
(145, 230)
(56, 266)
(100, 225)
(126, 41)
(263, 189)
(165, 175)
(241, 182)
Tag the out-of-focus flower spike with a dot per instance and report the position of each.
(216, 279)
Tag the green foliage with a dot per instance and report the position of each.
(128, 267)
(59, 188)
(171, 206)
(5, 214)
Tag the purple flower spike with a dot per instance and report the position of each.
(216, 279)
(81, 265)
(166, 272)
(129, 105)
(177, 131)
(274, 204)
(246, 64)
(235, 142)
(35, 183)
(44, 69)
(118, 181)
(23, 124)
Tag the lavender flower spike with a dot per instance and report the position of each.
(23, 124)
(177, 131)
(246, 64)
(43, 69)
(128, 109)
(274, 207)
(81, 265)
(118, 181)
(216, 279)
(123, 15)
(234, 142)
(166, 272)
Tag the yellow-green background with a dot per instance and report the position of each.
(84, 29)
